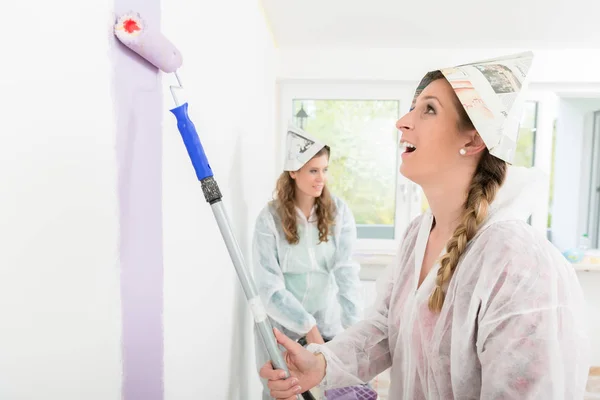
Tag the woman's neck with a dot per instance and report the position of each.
(304, 203)
(446, 202)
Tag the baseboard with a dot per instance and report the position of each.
(595, 371)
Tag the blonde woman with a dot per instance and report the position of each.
(478, 305)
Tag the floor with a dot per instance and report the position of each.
(382, 383)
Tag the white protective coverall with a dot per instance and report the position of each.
(512, 325)
(308, 283)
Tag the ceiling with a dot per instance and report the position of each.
(438, 24)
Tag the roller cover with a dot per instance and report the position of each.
(133, 32)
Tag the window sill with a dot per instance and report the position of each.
(374, 259)
(376, 246)
(372, 264)
(586, 267)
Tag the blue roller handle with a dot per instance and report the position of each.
(192, 142)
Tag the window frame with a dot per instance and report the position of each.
(534, 129)
(370, 231)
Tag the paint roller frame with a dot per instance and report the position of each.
(131, 30)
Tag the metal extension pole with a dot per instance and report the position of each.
(213, 196)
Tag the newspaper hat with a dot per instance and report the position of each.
(492, 93)
(300, 147)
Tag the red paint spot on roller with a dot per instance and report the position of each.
(130, 26)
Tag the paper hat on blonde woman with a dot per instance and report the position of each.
(300, 147)
(493, 95)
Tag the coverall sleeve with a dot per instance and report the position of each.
(280, 304)
(346, 271)
(362, 352)
(530, 340)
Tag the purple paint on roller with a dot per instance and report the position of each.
(147, 41)
(138, 109)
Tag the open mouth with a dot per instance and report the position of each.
(408, 147)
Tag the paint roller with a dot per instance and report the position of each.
(134, 32)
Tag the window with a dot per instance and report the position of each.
(363, 165)
(525, 152)
(358, 120)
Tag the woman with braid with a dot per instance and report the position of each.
(478, 304)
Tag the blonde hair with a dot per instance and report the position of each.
(285, 192)
(487, 179)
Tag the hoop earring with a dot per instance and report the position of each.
(462, 152)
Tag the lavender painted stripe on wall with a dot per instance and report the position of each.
(138, 106)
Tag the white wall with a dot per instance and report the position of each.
(563, 66)
(59, 226)
(63, 167)
(229, 75)
(571, 179)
